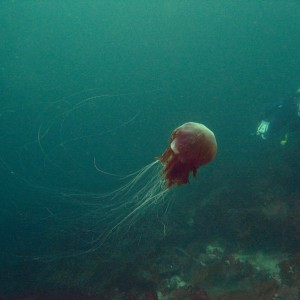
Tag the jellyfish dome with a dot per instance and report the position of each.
(192, 145)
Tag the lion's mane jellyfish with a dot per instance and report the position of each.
(192, 145)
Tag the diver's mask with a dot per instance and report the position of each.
(263, 129)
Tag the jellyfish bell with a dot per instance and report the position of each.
(192, 145)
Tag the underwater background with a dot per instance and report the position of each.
(96, 87)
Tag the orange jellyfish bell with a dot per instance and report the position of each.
(192, 145)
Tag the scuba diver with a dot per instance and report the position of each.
(281, 118)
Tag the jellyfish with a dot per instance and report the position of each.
(191, 146)
(105, 218)
(68, 147)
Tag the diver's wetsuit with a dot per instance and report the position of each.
(280, 116)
